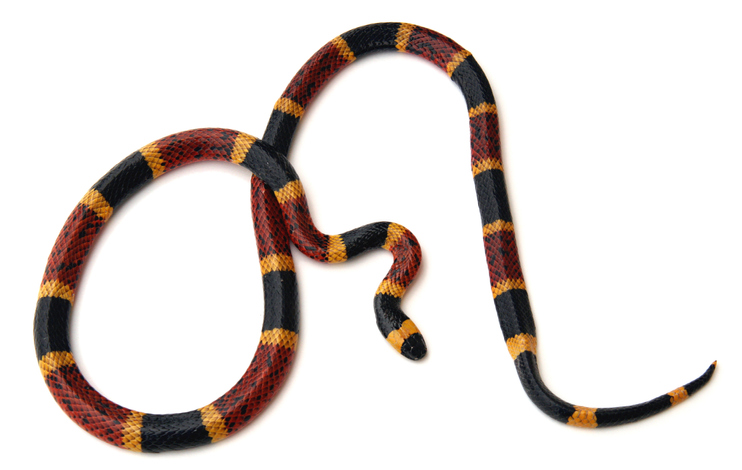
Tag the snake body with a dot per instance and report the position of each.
(281, 216)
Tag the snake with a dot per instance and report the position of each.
(281, 217)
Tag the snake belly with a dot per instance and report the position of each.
(280, 214)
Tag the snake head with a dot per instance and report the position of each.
(408, 341)
(414, 347)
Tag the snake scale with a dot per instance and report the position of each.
(281, 217)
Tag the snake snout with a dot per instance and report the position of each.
(414, 347)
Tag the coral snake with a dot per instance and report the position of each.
(281, 216)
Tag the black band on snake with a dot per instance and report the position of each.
(280, 214)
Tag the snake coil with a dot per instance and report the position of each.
(281, 216)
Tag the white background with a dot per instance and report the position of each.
(621, 132)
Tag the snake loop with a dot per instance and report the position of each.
(281, 216)
(267, 371)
